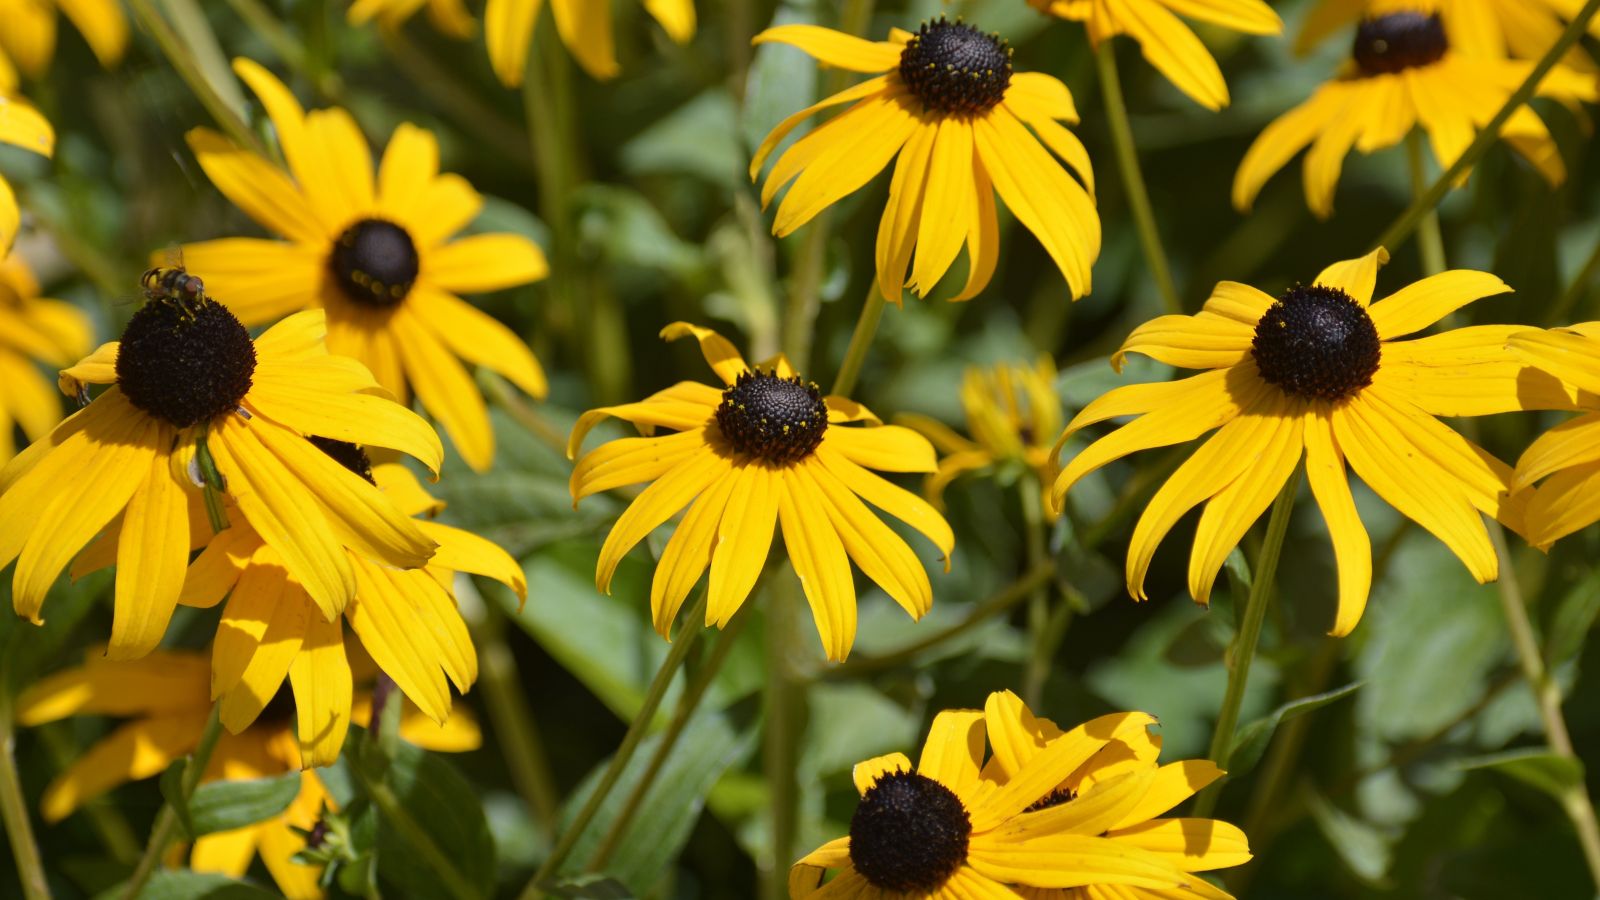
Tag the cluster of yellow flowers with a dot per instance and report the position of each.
(210, 467)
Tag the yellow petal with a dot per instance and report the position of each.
(103, 27)
(834, 48)
(446, 390)
(133, 752)
(1356, 277)
(585, 29)
(790, 123)
(262, 588)
(897, 227)
(1569, 356)
(485, 262)
(508, 30)
(1422, 303)
(946, 205)
(479, 339)
(218, 567)
(1281, 140)
(953, 752)
(872, 545)
(892, 499)
(152, 557)
(463, 551)
(258, 280)
(1567, 501)
(819, 558)
(1172, 785)
(1470, 372)
(1169, 46)
(858, 143)
(410, 164)
(407, 652)
(1229, 515)
(687, 554)
(633, 461)
(1572, 443)
(257, 187)
(684, 406)
(675, 16)
(1193, 845)
(887, 448)
(365, 419)
(719, 353)
(278, 623)
(160, 683)
(1071, 860)
(866, 773)
(744, 538)
(320, 675)
(670, 493)
(1190, 342)
(1352, 549)
(23, 126)
(1048, 768)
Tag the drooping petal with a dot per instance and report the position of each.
(628, 461)
(1356, 277)
(946, 204)
(160, 683)
(719, 352)
(257, 187)
(1422, 303)
(1280, 141)
(819, 558)
(1173, 50)
(897, 227)
(1193, 845)
(508, 30)
(135, 751)
(446, 390)
(670, 493)
(1229, 514)
(1352, 549)
(892, 499)
(1470, 372)
(479, 338)
(688, 553)
(887, 448)
(152, 557)
(1190, 342)
(744, 537)
(875, 548)
(834, 48)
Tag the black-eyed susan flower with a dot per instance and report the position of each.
(406, 620)
(1320, 372)
(165, 697)
(1049, 814)
(33, 330)
(1404, 73)
(584, 26)
(376, 252)
(947, 108)
(1517, 28)
(1013, 415)
(20, 126)
(193, 401)
(1166, 42)
(28, 31)
(447, 16)
(767, 448)
(1567, 457)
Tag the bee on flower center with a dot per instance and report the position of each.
(184, 357)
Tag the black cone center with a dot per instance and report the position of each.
(955, 68)
(374, 262)
(1403, 40)
(909, 833)
(185, 361)
(346, 454)
(1318, 343)
(780, 420)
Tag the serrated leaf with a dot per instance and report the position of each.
(1540, 769)
(226, 805)
(1253, 738)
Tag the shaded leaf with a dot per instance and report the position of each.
(1540, 769)
(226, 805)
(1253, 738)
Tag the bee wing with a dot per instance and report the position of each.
(174, 256)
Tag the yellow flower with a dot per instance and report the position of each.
(1164, 40)
(166, 698)
(375, 252)
(767, 448)
(21, 126)
(447, 16)
(1013, 414)
(33, 330)
(584, 26)
(186, 374)
(1493, 28)
(959, 134)
(406, 619)
(28, 31)
(1567, 457)
(1320, 373)
(1404, 73)
(1051, 814)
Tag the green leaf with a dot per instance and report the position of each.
(226, 805)
(661, 826)
(182, 884)
(588, 887)
(446, 806)
(1540, 769)
(1574, 616)
(1253, 738)
(1366, 849)
(698, 138)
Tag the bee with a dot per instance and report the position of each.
(173, 284)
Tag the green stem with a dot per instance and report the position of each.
(1039, 619)
(1430, 239)
(687, 704)
(1009, 596)
(688, 634)
(14, 808)
(1144, 217)
(1577, 290)
(213, 485)
(189, 69)
(785, 715)
(166, 824)
(1412, 217)
(1575, 798)
(1244, 646)
(416, 837)
(811, 262)
(512, 718)
(860, 342)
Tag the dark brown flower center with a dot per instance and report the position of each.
(1317, 342)
(953, 67)
(1053, 799)
(374, 262)
(1398, 41)
(780, 420)
(909, 833)
(346, 454)
(184, 358)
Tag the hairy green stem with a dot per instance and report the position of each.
(166, 824)
(860, 342)
(1009, 596)
(785, 716)
(512, 718)
(811, 262)
(687, 704)
(1429, 199)
(1575, 797)
(1144, 218)
(14, 807)
(189, 69)
(688, 635)
(1041, 648)
(1430, 238)
(1243, 651)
